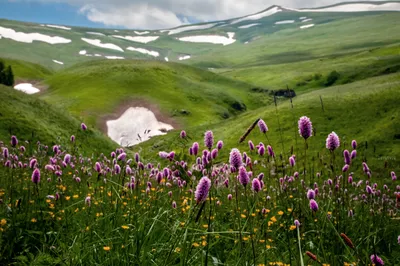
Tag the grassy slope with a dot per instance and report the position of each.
(26, 70)
(32, 119)
(366, 111)
(97, 88)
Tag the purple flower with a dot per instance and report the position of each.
(368, 189)
(350, 179)
(353, 154)
(195, 148)
(202, 189)
(14, 141)
(313, 205)
(263, 127)
(292, 161)
(365, 168)
(83, 126)
(36, 176)
(67, 158)
(305, 127)
(220, 144)
(243, 176)
(256, 185)
(235, 158)
(117, 169)
(332, 141)
(22, 149)
(297, 223)
(270, 151)
(163, 154)
(310, 194)
(49, 167)
(345, 168)
(398, 239)
(121, 157)
(260, 176)
(32, 163)
(182, 135)
(72, 138)
(87, 201)
(214, 153)
(354, 144)
(393, 175)
(375, 259)
(174, 205)
(251, 145)
(261, 150)
(229, 196)
(5, 153)
(209, 139)
(346, 155)
(97, 167)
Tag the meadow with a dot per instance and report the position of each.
(188, 208)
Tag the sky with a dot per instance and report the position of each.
(139, 14)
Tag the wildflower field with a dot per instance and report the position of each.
(262, 206)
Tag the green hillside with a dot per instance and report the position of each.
(188, 95)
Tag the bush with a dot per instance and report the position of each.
(332, 78)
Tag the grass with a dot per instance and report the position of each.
(34, 120)
(189, 95)
(344, 112)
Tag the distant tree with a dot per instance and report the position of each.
(2, 67)
(8, 76)
(332, 78)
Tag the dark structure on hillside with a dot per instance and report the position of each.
(6, 75)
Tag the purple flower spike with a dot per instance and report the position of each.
(256, 185)
(310, 194)
(353, 154)
(121, 157)
(263, 127)
(393, 175)
(5, 153)
(345, 168)
(305, 127)
(182, 135)
(270, 151)
(243, 176)
(332, 141)
(229, 196)
(84, 127)
(368, 189)
(313, 205)
(354, 144)
(137, 157)
(292, 161)
(72, 138)
(97, 167)
(251, 145)
(195, 148)
(87, 201)
(67, 158)
(209, 139)
(174, 205)
(346, 155)
(14, 141)
(235, 158)
(375, 259)
(297, 223)
(202, 189)
(32, 163)
(220, 144)
(214, 153)
(36, 176)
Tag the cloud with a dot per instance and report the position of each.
(158, 14)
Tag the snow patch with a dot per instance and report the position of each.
(27, 88)
(215, 39)
(141, 39)
(135, 125)
(141, 32)
(248, 26)
(58, 62)
(97, 55)
(95, 33)
(143, 51)
(305, 20)
(258, 16)
(184, 57)
(166, 59)
(284, 22)
(356, 7)
(83, 52)
(30, 37)
(114, 57)
(302, 18)
(58, 27)
(307, 26)
(190, 28)
(98, 43)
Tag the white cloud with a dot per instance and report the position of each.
(162, 14)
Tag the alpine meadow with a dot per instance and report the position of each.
(267, 139)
